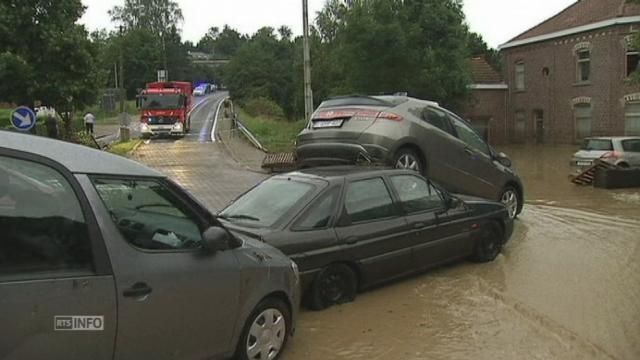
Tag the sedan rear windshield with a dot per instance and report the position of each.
(269, 202)
(355, 101)
(597, 145)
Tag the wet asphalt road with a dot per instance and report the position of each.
(567, 285)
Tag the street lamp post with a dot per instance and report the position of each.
(308, 92)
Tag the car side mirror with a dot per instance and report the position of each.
(215, 239)
(454, 202)
(504, 160)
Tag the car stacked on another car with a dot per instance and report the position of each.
(620, 151)
(102, 258)
(350, 228)
(411, 134)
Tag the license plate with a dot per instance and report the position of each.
(584, 163)
(327, 124)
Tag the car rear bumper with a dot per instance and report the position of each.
(331, 153)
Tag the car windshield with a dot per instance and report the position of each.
(268, 202)
(597, 145)
(150, 102)
(354, 101)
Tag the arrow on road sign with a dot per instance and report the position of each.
(23, 118)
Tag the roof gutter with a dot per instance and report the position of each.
(572, 31)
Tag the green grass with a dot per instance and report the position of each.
(276, 135)
(5, 121)
(124, 148)
(102, 117)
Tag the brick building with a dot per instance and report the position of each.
(487, 107)
(568, 77)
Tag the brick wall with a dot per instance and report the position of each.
(551, 84)
(489, 105)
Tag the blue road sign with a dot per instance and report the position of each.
(23, 118)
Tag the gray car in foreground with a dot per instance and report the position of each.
(411, 134)
(102, 258)
(620, 151)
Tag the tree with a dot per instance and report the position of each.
(479, 48)
(157, 16)
(46, 55)
(263, 68)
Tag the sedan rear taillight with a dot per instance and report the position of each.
(612, 155)
(389, 116)
(356, 114)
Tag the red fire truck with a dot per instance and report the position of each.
(165, 109)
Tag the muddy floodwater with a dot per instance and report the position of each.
(567, 286)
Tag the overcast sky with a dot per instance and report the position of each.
(497, 20)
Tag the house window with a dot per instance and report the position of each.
(583, 120)
(584, 66)
(520, 84)
(520, 127)
(633, 61)
(632, 119)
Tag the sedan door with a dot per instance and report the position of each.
(442, 157)
(57, 293)
(483, 178)
(174, 301)
(374, 233)
(435, 238)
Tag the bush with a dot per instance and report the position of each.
(263, 107)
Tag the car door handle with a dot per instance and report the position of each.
(419, 225)
(469, 152)
(351, 240)
(137, 290)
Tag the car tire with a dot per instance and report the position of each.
(510, 198)
(267, 329)
(489, 243)
(408, 159)
(623, 165)
(335, 284)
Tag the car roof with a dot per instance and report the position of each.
(76, 158)
(393, 100)
(344, 172)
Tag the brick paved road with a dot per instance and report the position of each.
(204, 168)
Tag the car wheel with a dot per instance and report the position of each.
(489, 244)
(408, 159)
(266, 331)
(511, 200)
(623, 165)
(335, 284)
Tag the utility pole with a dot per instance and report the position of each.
(308, 92)
(123, 94)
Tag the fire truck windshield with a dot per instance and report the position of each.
(161, 101)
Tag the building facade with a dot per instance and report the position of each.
(486, 109)
(569, 77)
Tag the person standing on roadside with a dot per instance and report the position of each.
(89, 121)
(51, 123)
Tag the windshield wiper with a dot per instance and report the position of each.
(239, 216)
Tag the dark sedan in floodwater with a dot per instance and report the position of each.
(350, 228)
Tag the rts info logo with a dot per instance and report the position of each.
(79, 323)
